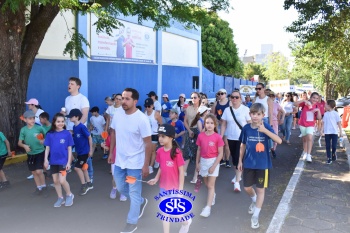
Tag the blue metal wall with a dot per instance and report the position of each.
(48, 82)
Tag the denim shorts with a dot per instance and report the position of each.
(97, 139)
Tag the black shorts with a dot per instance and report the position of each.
(259, 177)
(235, 147)
(36, 162)
(54, 169)
(2, 160)
(81, 160)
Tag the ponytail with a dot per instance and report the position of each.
(174, 147)
(195, 120)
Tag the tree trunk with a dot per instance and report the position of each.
(19, 46)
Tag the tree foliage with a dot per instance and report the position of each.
(276, 67)
(24, 23)
(252, 69)
(219, 52)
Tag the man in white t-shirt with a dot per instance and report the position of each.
(131, 134)
(76, 100)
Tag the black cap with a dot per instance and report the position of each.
(167, 130)
(94, 109)
(148, 102)
(151, 93)
(74, 112)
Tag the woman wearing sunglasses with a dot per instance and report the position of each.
(218, 109)
(288, 107)
(263, 99)
(233, 119)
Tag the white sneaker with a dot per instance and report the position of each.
(205, 212)
(185, 228)
(234, 180)
(251, 208)
(303, 155)
(156, 165)
(309, 158)
(30, 177)
(213, 201)
(150, 168)
(254, 222)
(300, 135)
(237, 187)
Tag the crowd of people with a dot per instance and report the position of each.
(137, 141)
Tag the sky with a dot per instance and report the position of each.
(256, 22)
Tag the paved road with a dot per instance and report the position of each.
(95, 212)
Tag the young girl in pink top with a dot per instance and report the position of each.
(171, 174)
(209, 154)
(309, 113)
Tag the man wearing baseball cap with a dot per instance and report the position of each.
(166, 106)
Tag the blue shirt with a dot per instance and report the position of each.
(58, 143)
(253, 159)
(179, 127)
(168, 107)
(81, 139)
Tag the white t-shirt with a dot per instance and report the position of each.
(130, 130)
(242, 115)
(97, 123)
(111, 110)
(331, 119)
(157, 106)
(287, 106)
(75, 101)
(37, 114)
(264, 102)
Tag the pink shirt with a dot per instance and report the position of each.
(322, 106)
(307, 117)
(209, 145)
(169, 177)
(276, 109)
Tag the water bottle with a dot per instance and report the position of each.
(341, 142)
(198, 184)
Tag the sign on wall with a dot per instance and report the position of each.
(130, 43)
(247, 89)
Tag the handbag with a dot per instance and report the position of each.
(234, 117)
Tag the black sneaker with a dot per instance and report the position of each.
(273, 152)
(6, 184)
(89, 186)
(129, 228)
(83, 190)
(45, 191)
(142, 207)
(37, 192)
(334, 157)
(329, 161)
(227, 164)
(222, 162)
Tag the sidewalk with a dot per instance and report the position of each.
(317, 198)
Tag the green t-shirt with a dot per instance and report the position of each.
(3, 148)
(46, 128)
(29, 137)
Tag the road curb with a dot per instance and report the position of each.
(17, 159)
(284, 205)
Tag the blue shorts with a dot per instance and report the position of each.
(97, 139)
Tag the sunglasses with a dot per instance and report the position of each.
(258, 89)
(194, 97)
(234, 97)
(221, 93)
(147, 106)
(287, 95)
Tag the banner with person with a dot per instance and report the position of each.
(129, 43)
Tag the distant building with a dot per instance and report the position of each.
(266, 49)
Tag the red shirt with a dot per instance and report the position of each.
(322, 106)
(169, 176)
(307, 117)
(209, 145)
